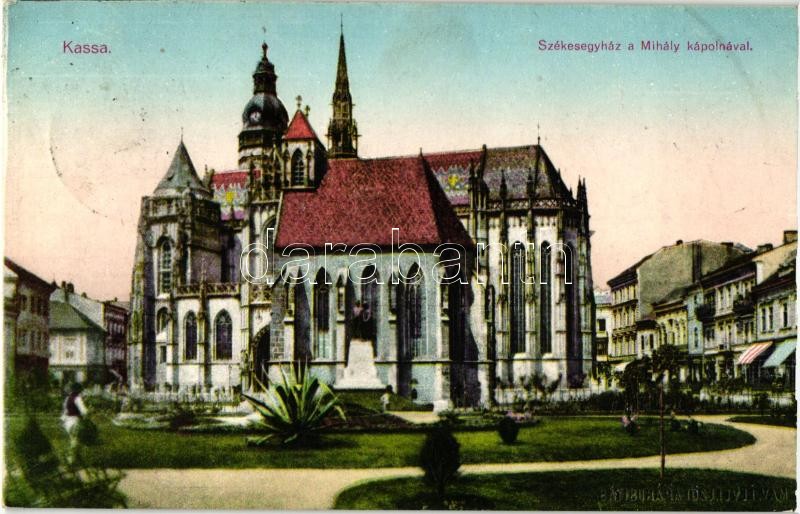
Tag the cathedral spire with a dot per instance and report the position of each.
(342, 130)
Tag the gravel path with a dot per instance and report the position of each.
(774, 453)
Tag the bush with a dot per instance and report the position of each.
(693, 427)
(674, 425)
(440, 458)
(181, 417)
(508, 430)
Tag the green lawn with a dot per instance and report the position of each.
(554, 439)
(764, 420)
(623, 489)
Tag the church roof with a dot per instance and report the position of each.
(181, 176)
(362, 200)
(452, 171)
(299, 128)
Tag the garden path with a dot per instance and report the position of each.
(773, 454)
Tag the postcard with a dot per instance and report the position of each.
(400, 256)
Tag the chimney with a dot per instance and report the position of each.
(729, 244)
(789, 236)
(679, 242)
(70, 288)
(764, 248)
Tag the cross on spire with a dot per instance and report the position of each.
(299, 100)
(264, 49)
(538, 135)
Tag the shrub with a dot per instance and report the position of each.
(693, 427)
(181, 417)
(440, 458)
(295, 409)
(508, 430)
(674, 425)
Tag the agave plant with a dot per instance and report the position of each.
(295, 408)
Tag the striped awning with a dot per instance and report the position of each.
(781, 353)
(753, 352)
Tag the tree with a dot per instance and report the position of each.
(664, 363)
(440, 458)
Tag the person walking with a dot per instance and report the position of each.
(74, 410)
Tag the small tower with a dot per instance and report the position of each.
(342, 130)
(264, 119)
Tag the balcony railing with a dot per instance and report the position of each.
(743, 306)
(705, 312)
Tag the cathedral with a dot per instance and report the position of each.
(458, 271)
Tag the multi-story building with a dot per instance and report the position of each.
(775, 300)
(658, 280)
(196, 323)
(733, 345)
(115, 321)
(604, 326)
(75, 349)
(25, 323)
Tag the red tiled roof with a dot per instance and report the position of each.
(228, 178)
(361, 201)
(299, 128)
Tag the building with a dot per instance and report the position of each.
(77, 346)
(734, 345)
(775, 310)
(658, 280)
(25, 324)
(89, 337)
(219, 300)
(604, 326)
(115, 321)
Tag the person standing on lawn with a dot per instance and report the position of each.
(386, 398)
(74, 410)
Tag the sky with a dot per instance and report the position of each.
(672, 145)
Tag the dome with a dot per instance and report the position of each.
(265, 112)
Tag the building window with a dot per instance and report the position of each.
(601, 325)
(545, 295)
(785, 314)
(413, 312)
(322, 314)
(190, 335)
(770, 317)
(162, 358)
(165, 267)
(298, 169)
(517, 298)
(222, 336)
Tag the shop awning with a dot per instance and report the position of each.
(749, 355)
(781, 353)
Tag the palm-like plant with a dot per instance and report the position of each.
(295, 408)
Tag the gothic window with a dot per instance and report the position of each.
(517, 298)
(165, 267)
(489, 306)
(190, 337)
(298, 169)
(222, 336)
(323, 345)
(413, 313)
(545, 298)
(369, 300)
(162, 318)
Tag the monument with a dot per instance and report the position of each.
(360, 371)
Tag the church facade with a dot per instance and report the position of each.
(461, 269)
